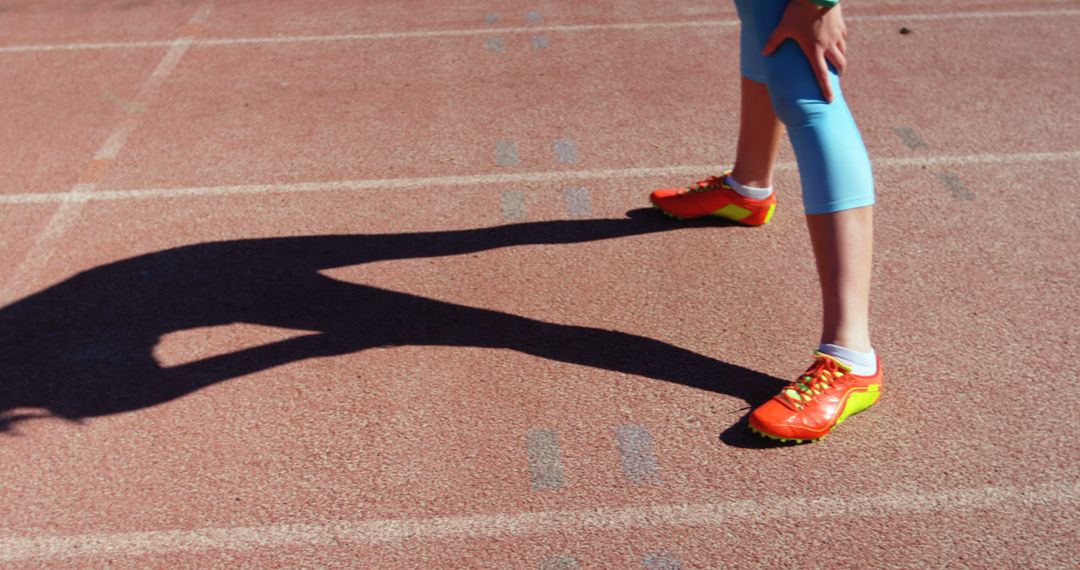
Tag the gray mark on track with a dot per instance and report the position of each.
(534, 17)
(541, 42)
(506, 153)
(491, 18)
(910, 137)
(545, 459)
(952, 182)
(578, 203)
(636, 454)
(496, 44)
(513, 205)
(566, 151)
(132, 106)
(660, 561)
(559, 563)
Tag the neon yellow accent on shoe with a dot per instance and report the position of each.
(783, 439)
(768, 215)
(733, 212)
(860, 401)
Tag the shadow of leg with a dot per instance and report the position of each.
(376, 317)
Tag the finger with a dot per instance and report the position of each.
(778, 36)
(821, 71)
(836, 57)
(842, 45)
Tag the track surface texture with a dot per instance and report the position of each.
(374, 285)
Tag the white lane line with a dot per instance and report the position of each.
(72, 202)
(981, 15)
(426, 34)
(711, 515)
(503, 179)
(116, 141)
(88, 46)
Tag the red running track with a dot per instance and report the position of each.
(309, 285)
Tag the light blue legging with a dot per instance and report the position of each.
(833, 164)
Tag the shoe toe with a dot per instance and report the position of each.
(665, 194)
(777, 420)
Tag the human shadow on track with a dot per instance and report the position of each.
(83, 347)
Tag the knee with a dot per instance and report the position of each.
(793, 112)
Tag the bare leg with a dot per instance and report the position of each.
(842, 241)
(759, 136)
(843, 247)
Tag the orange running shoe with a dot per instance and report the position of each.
(713, 197)
(821, 399)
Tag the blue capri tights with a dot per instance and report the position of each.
(833, 164)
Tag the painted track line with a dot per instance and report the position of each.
(717, 515)
(72, 202)
(505, 178)
(567, 28)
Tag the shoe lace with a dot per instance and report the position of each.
(709, 184)
(819, 377)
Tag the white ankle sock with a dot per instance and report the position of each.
(749, 191)
(861, 363)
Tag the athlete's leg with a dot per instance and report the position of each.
(759, 127)
(836, 177)
(748, 198)
(838, 194)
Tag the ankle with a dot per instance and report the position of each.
(760, 179)
(861, 362)
(861, 344)
(747, 191)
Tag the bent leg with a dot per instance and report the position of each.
(833, 163)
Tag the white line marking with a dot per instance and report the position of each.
(117, 140)
(421, 34)
(505, 179)
(86, 46)
(202, 14)
(711, 515)
(71, 202)
(982, 15)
